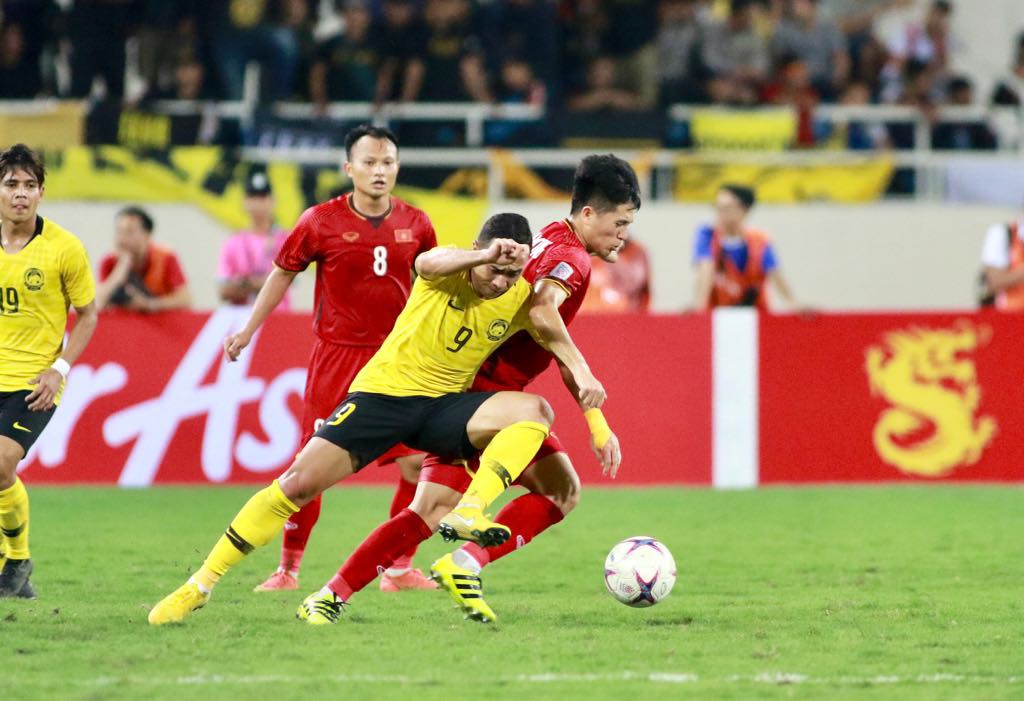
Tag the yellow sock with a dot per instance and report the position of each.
(14, 520)
(260, 519)
(504, 459)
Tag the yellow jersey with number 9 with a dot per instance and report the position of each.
(37, 284)
(442, 337)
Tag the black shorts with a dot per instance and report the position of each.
(18, 422)
(367, 425)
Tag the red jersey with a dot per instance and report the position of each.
(558, 255)
(364, 266)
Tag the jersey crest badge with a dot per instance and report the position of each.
(403, 235)
(497, 330)
(34, 279)
(563, 271)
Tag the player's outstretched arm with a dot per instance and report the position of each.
(47, 383)
(548, 328)
(270, 296)
(603, 441)
(444, 261)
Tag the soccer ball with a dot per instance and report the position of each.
(639, 571)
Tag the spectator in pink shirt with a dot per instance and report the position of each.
(248, 256)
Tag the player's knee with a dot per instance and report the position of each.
(433, 508)
(10, 455)
(542, 412)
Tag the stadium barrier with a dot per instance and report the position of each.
(731, 399)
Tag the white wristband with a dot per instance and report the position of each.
(62, 366)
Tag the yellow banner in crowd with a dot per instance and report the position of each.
(732, 130)
(697, 180)
(211, 179)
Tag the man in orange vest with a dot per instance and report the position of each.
(1003, 261)
(735, 261)
(139, 274)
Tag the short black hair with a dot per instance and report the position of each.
(506, 225)
(21, 157)
(943, 6)
(367, 130)
(743, 193)
(142, 215)
(604, 182)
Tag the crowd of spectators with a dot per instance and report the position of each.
(587, 56)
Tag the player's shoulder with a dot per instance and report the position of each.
(409, 211)
(59, 237)
(332, 207)
(759, 235)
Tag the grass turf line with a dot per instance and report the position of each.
(901, 592)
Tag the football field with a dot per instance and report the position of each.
(889, 593)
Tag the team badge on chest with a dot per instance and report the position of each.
(497, 330)
(34, 279)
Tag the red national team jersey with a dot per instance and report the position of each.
(364, 266)
(557, 255)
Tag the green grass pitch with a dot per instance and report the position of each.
(889, 593)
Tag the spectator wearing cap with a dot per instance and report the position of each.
(247, 257)
(138, 274)
(735, 261)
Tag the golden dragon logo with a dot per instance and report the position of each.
(933, 386)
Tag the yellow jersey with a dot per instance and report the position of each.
(36, 286)
(442, 337)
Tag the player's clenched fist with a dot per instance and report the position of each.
(508, 252)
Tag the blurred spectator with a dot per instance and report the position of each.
(624, 286)
(631, 42)
(98, 30)
(860, 136)
(139, 274)
(1002, 259)
(735, 261)
(452, 56)
(602, 91)
(678, 40)
(299, 17)
(518, 85)
(188, 81)
(168, 38)
(248, 256)
(20, 78)
(345, 66)
(1010, 90)
(929, 44)
(402, 37)
(970, 135)
(818, 43)
(584, 28)
(240, 31)
(736, 55)
(527, 30)
(793, 87)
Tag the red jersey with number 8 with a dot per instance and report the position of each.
(363, 266)
(557, 255)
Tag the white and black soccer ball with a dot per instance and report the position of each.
(640, 571)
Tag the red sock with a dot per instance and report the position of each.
(379, 550)
(526, 516)
(403, 497)
(296, 535)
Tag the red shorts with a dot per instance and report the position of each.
(332, 368)
(457, 475)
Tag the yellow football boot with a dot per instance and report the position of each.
(178, 604)
(468, 522)
(464, 587)
(320, 609)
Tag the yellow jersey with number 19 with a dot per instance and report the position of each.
(36, 286)
(442, 337)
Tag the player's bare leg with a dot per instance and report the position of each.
(401, 575)
(509, 428)
(14, 516)
(319, 465)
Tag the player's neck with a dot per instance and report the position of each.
(574, 228)
(370, 206)
(736, 233)
(14, 235)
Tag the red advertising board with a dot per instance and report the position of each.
(894, 397)
(152, 401)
